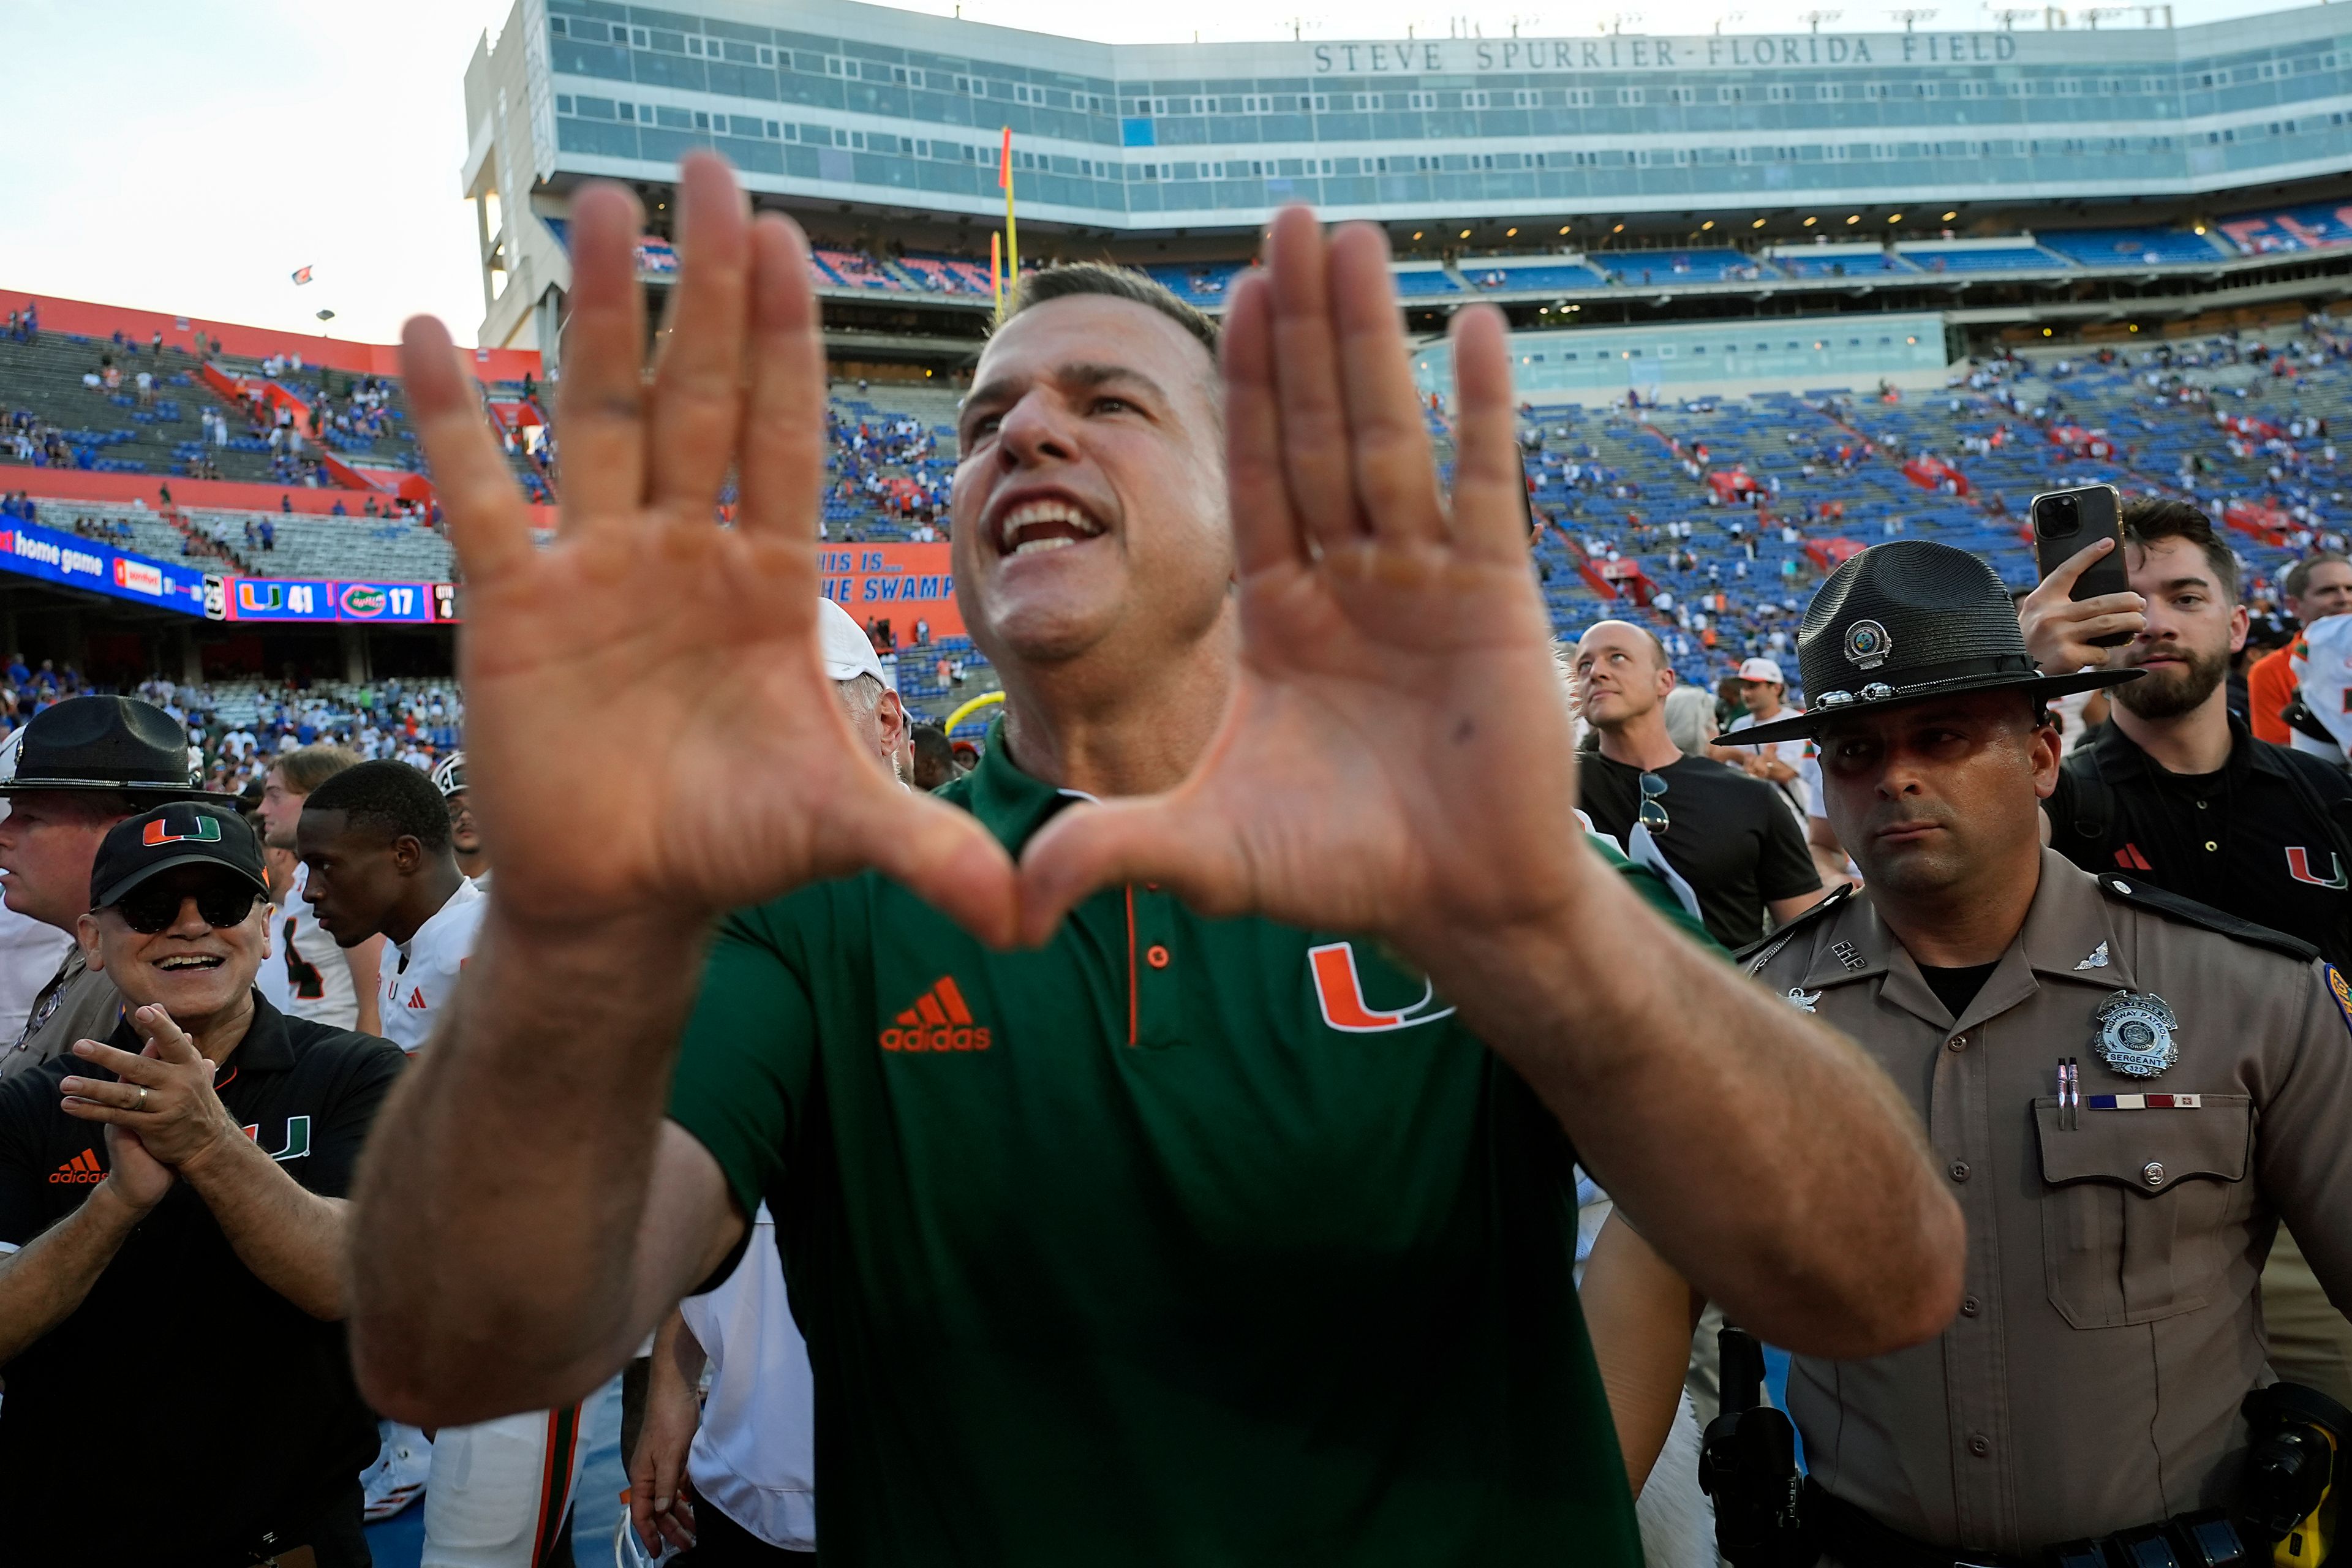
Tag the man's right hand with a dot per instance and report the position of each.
(652, 729)
(2059, 629)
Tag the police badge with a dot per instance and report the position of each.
(2135, 1034)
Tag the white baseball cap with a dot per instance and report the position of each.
(848, 651)
(1762, 669)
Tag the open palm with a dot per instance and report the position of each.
(1397, 756)
(650, 724)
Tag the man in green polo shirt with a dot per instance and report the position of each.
(1228, 1220)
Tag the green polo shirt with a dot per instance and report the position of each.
(1178, 1241)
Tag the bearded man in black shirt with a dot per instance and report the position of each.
(1726, 837)
(2176, 791)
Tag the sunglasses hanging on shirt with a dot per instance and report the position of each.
(1653, 804)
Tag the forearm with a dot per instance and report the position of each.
(1638, 1314)
(43, 1282)
(497, 1211)
(291, 1238)
(678, 1361)
(1764, 1156)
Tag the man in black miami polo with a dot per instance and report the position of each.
(172, 1213)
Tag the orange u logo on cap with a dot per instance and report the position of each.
(158, 833)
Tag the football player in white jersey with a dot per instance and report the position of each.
(307, 973)
(377, 842)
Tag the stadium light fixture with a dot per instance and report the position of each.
(1950, 215)
(1707, 224)
(1855, 218)
(1565, 227)
(1510, 234)
(2045, 331)
(1811, 221)
(1416, 234)
(2201, 228)
(1619, 229)
(1465, 234)
(1757, 224)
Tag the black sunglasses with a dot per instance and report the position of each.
(1653, 804)
(152, 908)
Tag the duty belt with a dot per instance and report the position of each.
(2192, 1539)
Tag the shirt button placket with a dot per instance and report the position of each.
(1159, 1005)
(1958, 1123)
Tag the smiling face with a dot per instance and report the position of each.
(1089, 502)
(194, 969)
(1926, 796)
(2326, 590)
(2193, 627)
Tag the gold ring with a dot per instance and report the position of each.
(143, 1098)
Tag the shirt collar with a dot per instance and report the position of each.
(1009, 803)
(2118, 749)
(265, 1048)
(2068, 929)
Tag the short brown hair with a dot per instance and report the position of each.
(1071, 278)
(2298, 576)
(2146, 520)
(305, 768)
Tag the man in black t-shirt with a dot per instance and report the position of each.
(171, 1219)
(1726, 836)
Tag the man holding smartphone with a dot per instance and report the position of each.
(2179, 792)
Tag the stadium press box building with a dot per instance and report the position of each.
(869, 120)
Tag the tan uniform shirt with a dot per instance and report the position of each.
(79, 1004)
(2111, 1322)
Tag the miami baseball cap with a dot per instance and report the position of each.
(848, 652)
(185, 833)
(1761, 669)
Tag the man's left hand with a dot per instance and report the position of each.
(1396, 756)
(164, 1093)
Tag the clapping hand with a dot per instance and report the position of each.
(160, 1109)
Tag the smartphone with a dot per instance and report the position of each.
(2067, 522)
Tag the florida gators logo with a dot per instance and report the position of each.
(1341, 993)
(2298, 866)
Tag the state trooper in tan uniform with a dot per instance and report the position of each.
(2127, 1093)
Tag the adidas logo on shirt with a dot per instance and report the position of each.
(82, 1170)
(939, 1021)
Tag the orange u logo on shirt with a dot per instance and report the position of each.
(1342, 995)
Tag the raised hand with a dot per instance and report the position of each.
(1396, 756)
(2059, 630)
(650, 726)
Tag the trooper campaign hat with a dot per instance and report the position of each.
(107, 744)
(1909, 620)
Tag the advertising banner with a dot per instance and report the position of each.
(902, 583)
(73, 562)
(310, 599)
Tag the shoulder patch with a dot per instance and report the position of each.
(1751, 957)
(2341, 990)
(2132, 890)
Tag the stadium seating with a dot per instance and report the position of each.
(2125, 246)
(851, 270)
(1504, 275)
(1936, 255)
(106, 430)
(1838, 261)
(2313, 226)
(1424, 279)
(1202, 284)
(948, 275)
(1719, 265)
